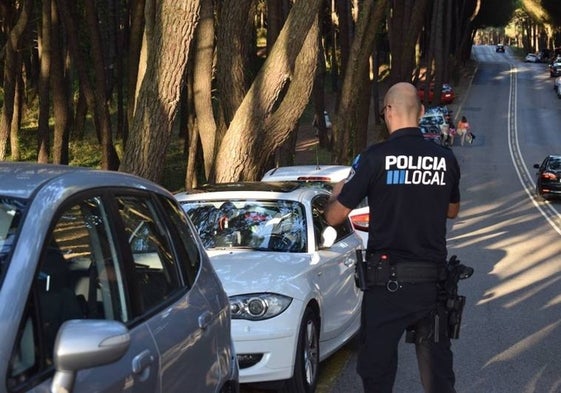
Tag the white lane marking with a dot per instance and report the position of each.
(547, 210)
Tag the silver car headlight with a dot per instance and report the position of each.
(258, 306)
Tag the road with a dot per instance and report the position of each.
(511, 332)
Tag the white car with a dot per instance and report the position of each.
(289, 276)
(328, 174)
(532, 58)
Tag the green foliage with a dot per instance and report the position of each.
(87, 153)
(28, 144)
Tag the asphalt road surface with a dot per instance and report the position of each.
(510, 339)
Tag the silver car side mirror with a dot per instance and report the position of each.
(86, 343)
(328, 237)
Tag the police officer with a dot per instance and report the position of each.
(412, 187)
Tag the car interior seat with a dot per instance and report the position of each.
(57, 300)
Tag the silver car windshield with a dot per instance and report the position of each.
(11, 211)
(260, 225)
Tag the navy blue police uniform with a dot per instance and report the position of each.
(409, 182)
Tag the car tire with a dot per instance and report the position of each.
(306, 365)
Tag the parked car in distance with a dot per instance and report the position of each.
(447, 94)
(500, 48)
(105, 286)
(548, 182)
(532, 58)
(555, 68)
(289, 276)
(330, 175)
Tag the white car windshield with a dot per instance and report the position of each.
(274, 225)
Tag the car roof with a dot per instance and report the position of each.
(432, 114)
(23, 179)
(251, 190)
(329, 173)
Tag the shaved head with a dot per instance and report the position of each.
(403, 107)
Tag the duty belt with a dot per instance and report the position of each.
(381, 270)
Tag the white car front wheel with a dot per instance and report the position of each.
(306, 366)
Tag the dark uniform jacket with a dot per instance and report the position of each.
(409, 182)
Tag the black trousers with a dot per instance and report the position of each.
(385, 316)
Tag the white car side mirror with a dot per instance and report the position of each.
(328, 237)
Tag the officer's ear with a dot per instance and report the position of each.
(421, 111)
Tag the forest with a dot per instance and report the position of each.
(227, 80)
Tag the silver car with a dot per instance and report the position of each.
(105, 287)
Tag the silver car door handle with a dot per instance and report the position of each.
(204, 319)
(142, 361)
(349, 262)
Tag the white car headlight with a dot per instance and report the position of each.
(258, 306)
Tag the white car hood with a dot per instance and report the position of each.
(247, 271)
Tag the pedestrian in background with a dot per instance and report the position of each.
(463, 129)
(446, 138)
(412, 188)
(451, 127)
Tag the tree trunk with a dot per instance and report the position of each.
(59, 87)
(170, 28)
(86, 98)
(360, 138)
(16, 118)
(135, 44)
(43, 134)
(345, 124)
(120, 23)
(407, 20)
(319, 100)
(188, 128)
(343, 9)
(232, 60)
(79, 122)
(438, 34)
(109, 158)
(202, 84)
(10, 73)
(276, 99)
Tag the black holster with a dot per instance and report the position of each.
(446, 320)
(433, 328)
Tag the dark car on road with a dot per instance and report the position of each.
(500, 48)
(548, 183)
(106, 287)
(555, 68)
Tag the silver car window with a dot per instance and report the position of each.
(77, 278)
(156, 267)
(10, 212)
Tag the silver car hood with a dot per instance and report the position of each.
(247, 271)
